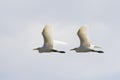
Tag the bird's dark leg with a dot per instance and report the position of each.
(58, 51)
(97, 51)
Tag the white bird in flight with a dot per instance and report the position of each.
(85, 45)
(48, 42)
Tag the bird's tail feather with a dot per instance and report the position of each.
(58, 51)
(97, 51)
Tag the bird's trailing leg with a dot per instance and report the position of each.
(58, 51)
(97, 51)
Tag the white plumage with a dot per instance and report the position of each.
(48, 41)
(85, 45)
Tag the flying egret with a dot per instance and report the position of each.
(48, 42)
(85, 45)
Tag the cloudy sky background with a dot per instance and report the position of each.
(21, 24)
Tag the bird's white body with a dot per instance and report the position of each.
(85, 45)
(85, 49)
(80, 49)
(44, 49)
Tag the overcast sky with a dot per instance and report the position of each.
(21, 24)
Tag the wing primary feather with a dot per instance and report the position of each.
(48, 42)
(82, 34)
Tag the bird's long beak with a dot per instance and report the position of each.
(72, 49)
(35, 49)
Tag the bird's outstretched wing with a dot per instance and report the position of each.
(48, 42)
(82, 34)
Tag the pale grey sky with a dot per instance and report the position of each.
(21, 24)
